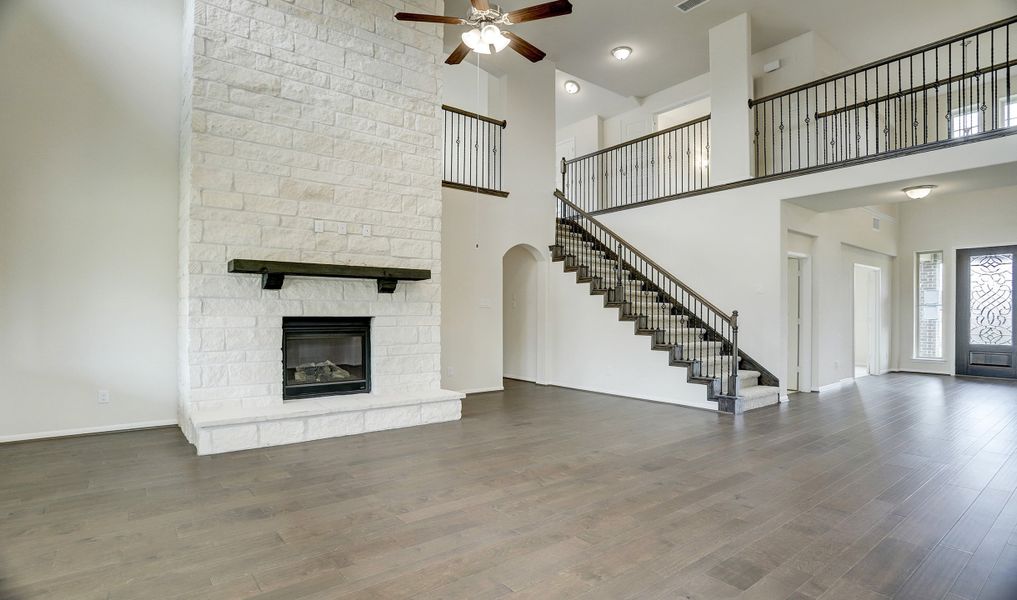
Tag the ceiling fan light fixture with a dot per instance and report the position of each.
(571, 87)
(621, 52)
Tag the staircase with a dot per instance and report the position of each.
(695, 333)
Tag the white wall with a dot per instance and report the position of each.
(88, 188)
(468, 87)
(592, 350)
(519, 305)
(731, 87)
(946, 222)
(479, 229)
(587, 133)
(727, 247)
(803, 58)
(667, 99)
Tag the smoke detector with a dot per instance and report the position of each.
(688, 5)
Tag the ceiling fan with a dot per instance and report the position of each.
(485, 35)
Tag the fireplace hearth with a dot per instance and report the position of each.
(326, 356)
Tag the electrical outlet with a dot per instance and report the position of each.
(450, 371)
(341, 228)
(103, 396)
(319, 226)
(367, 231)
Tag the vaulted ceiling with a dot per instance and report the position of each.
(671, 46)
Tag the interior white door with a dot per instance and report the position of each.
(794, 323)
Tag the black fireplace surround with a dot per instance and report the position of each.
(326, 356)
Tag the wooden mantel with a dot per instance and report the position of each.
(274, 272)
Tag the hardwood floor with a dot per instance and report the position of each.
(902, 486)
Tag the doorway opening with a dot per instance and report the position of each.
(794, 323)
(866, 320)
(519, 319)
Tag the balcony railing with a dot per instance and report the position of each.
(473, 152)
(952, 91)
(668, 162)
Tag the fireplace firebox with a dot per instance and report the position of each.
(326, 356)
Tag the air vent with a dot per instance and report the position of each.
(875, 224)
(690, 4)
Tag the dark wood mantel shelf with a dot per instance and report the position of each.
(273, 272)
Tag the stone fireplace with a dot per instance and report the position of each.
(311, 135)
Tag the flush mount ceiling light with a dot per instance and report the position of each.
(918, 192)
(571, 87)
(621, 52)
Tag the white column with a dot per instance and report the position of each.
(730, 90)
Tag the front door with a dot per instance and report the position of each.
(985, 293)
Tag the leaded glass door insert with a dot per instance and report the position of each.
(985, 328)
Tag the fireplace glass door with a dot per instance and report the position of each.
(325, 356)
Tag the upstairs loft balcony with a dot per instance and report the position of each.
(955, 91)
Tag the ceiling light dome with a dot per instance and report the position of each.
(490, 34)
(571, 87)
(918, 192)
(622, 52)
(472, 38)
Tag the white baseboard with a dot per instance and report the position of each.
(835, 385)
(482, 390)
(520, 378)
(42, 435)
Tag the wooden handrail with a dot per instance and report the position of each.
(723, 315)
(918, 89)
(885, 61)
(639, 139)
(473, 115)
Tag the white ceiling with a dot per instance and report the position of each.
(671, 46)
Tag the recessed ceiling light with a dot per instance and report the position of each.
(621, 52)
(919, 191)
(571, 87)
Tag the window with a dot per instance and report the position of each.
(1008, 111)
(965, 122)
(929, 305)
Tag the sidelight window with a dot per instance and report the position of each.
(929, 305)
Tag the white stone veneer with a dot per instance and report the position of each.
(311, 133)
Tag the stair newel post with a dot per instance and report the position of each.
(618, 269)
(564, 169)
(732, 386)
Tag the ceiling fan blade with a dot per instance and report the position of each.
(458, 54)
(528, 50)
(540, 11)
(481, 4)
(419, 18)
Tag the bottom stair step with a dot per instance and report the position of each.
(759, 396)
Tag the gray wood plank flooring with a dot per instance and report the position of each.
(901, 486)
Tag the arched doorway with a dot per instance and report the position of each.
(522, 330)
